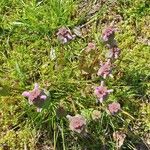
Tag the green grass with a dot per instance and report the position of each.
(27, 35)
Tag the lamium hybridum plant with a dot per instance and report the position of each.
(105, 69)
(77, 123)
(36, 97)
(91, 62)
(64, 35)
(108, 36)
(102, 92)
(114, 107)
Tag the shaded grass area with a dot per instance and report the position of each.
(27, 35)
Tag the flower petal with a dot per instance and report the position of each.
(69, 117)
(109, 91)
(36, 86)
(101, 99)
(26, 94)
(43, 97)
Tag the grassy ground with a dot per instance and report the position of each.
(28, 34)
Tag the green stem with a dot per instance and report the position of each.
(62, 134)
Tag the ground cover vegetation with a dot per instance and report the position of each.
(74, 75)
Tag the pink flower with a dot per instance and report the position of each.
(77, 123)
(105, 69)
(114, 107)
(64, 35)
(91, 46)
(101, 92)
(36, 96)
(108, 34)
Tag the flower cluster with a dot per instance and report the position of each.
(64, 35)
(108, 37)
(36, 97)
(102, 92)
(114, 107)
(77, 123)
(105, 69)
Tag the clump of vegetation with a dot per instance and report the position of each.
(91, 61)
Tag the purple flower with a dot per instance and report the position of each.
(108, 34)
(114, 107)
(77, 123)
(114, 53)
(105, 69)
(101, 92)
(36, 97)
(64, 35)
